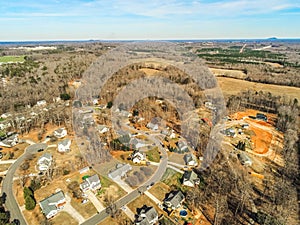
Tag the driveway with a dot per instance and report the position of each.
(129, 213)
(73, 212)
(8, 161)
(91, 196)
(123, 185)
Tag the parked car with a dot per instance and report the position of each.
(40, 150)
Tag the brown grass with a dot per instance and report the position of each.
(159, 190)
(86, 210)
(231, 86)
(228, 73)
(63, 218)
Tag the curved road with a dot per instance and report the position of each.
(7, 184)
(137, 192)
(15, 212)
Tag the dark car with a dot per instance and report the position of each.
(40, 150)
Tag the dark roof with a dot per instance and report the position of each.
(48, 204)
(146, 215)
(175, 198)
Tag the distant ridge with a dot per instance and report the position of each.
(57, 42)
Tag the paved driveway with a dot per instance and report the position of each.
(123, 185)
(98, 205)
(73, 212)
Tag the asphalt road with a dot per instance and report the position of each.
(15, 212)
(139, 191)
(7, 184)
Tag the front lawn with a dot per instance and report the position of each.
(153, 155)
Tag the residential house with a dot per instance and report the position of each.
(102, 129)
(41, 103)
(244, 159)
(182, 146)
(5, 115)
(9, 141)
(60, 133)
(84, 170)
(64, 145)
(44, 162)
(95, 101)
(136, 143)
(210, 105)
(146, 216)
(154, 123)
(190, 179)
(245, 126)
(174, 199)
(152, 126)
(230, 132)
(125, 113)
(190, 159)
(77, 104)
(138, 157)
(91, 183)
(120, 171)
(53, 204)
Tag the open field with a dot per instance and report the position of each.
(11, 59)
(231, 86)
(228, 73)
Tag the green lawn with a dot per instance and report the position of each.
(153, 155)
(5, 59)
(171, 177)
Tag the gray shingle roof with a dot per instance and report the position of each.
(49, 204)
(120, 171)
(146, 215)
(175, 198)
(190, 176)
(64, 142)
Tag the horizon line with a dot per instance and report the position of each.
(153, 39)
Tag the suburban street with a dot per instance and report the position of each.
(12, 205)
(139, 191)
(7, 184)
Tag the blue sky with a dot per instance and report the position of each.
(148, 19)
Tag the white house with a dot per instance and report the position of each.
(64, 145)
(244, 159)
(102, 129)
(182, 146)
(10, 141)
(60, 133)
(190, 179)
(91, 183)
(190, 159)
(138, 157)
(152, 126)
(41, 103)
(136, 143)
(147, 215)
(5, 115)
(95, 101)
(53, 204)
(44, 162)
